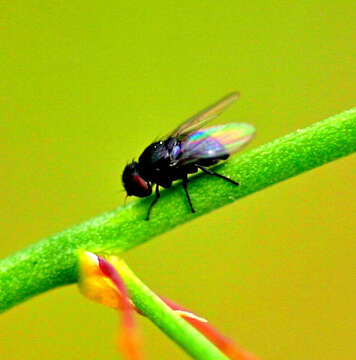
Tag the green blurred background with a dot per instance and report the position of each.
(85, 86)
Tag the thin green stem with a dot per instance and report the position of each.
(179, 330)
(52, 262)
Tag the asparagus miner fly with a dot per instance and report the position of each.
(188, 149)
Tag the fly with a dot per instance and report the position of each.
(186, 150)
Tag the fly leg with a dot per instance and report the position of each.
(153, 202)
(184, 183)
(210, 172)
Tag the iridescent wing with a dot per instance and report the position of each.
(215, 142)
(210, 113)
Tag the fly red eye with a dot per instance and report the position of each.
(134, 183)
(141, 184)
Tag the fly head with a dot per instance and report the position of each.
(134, 183)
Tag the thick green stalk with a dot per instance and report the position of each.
(53, 261)
(179, 330)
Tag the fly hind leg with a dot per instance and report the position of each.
(210, 172)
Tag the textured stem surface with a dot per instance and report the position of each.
(53, 261)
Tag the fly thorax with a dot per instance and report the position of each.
(174, 149)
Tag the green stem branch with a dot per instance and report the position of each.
(179, 330)
(52, 262)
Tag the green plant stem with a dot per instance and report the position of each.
(52, 262)
(179, 330)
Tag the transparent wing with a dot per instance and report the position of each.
(210, 113)
(215, 142)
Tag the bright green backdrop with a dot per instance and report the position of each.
(86, 85)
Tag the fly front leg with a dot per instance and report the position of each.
(210, 172)
(153, 202)
(184, 183)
